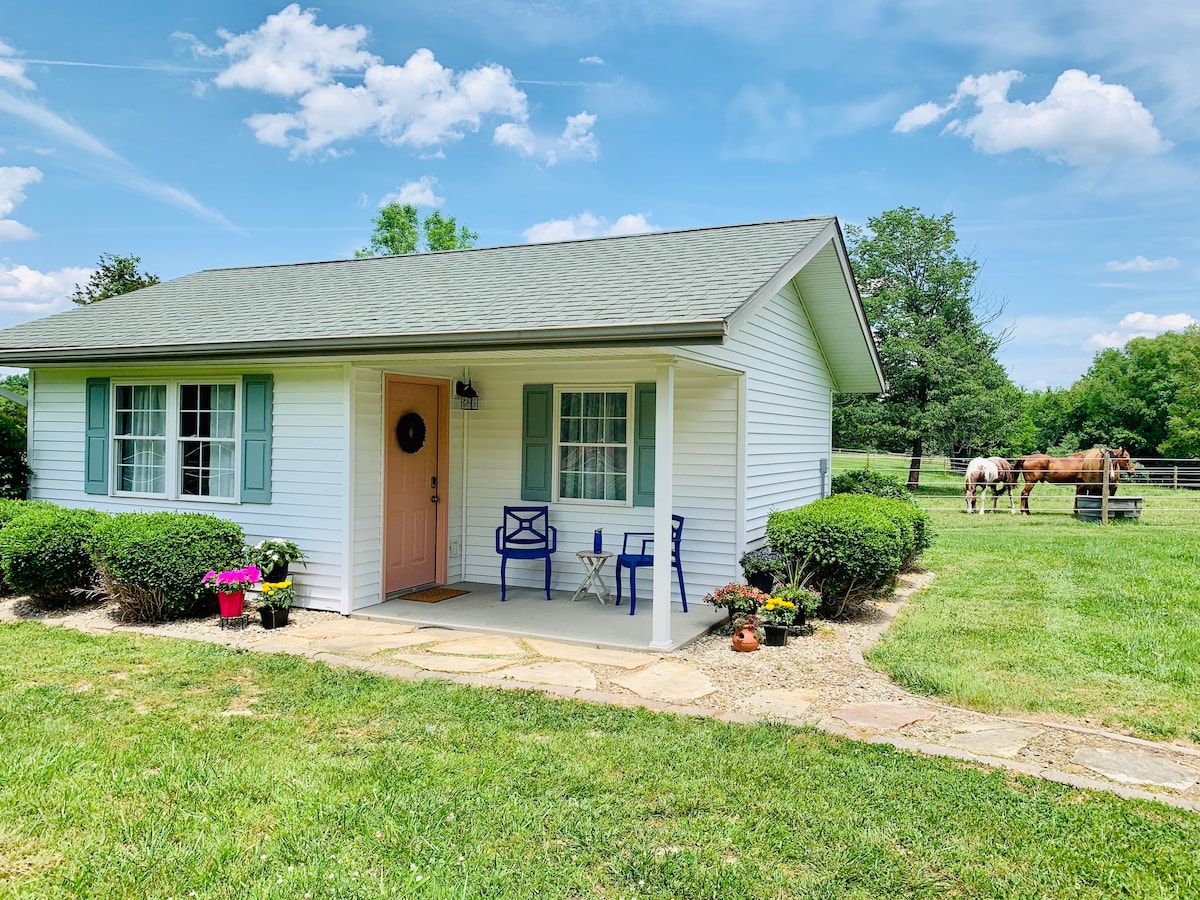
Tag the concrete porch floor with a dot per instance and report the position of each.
(527, 613)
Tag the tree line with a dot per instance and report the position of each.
(949, 395)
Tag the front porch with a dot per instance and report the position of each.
(527, 613)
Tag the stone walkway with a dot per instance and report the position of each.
(820, 680)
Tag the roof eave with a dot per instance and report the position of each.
(698, 332)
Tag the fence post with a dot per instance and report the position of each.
(1175, 477)
(1104, 488)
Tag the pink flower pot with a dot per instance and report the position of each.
(231, 604)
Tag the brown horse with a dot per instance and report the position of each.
(1084, 470)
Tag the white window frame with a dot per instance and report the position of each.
(628, 390)
(174, 475)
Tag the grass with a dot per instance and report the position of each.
(123, 775)
(1045, 614)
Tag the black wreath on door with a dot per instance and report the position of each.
(410, 432)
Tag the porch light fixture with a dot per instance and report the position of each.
(468, 397)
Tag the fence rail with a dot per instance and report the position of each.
(1169, 486)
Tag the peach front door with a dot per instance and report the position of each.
(411, 490)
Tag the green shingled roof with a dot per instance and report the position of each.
(664, 285)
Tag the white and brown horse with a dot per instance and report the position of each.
(995, 472)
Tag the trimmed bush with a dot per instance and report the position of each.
(864, 481)
(916, 521)
(11, 509)
(152, 564)
(854, 545)
(46, 552)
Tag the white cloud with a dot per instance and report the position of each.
(1141, 264)
(577, 140)
(416, 193)
(421, 104)
(112, 163)
(26, 293)
(1140, 324)
(13, 69)
(13, 180)
(1082, 121)
(592, 60)
(587, 225)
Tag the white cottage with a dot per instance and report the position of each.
(619, 380)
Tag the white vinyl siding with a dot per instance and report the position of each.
(308, 461)
(788, 416)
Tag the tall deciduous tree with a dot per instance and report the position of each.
(947, 392)
(399, 229)
(114, 275)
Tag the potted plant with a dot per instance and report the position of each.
(231, 587)
(274, 556)
(737, 599)
(796, 588)
(760, 568)
(776, 615)
(277, 598)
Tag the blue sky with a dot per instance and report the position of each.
(200, 135)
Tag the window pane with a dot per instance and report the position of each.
(569, 459)
(141, 466)
(571, 430)
(568, 487)
(593, 404)
(141, 410)
(206, 456)
(616, 487)
(616, 405)
(570, 404)
(592, 430)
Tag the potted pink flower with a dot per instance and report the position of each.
(231, 587)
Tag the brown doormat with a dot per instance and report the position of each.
(433, 595)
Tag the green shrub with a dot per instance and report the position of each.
(864, 481)
(14, 466)
(11, 509)
(916, 523)
(853, 545)
(152, 563)
(47, 552)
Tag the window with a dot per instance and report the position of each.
(141, 438)
(176, 439)
(207, 434)
(593, 445)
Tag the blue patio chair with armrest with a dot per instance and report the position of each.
(633, 561)
(525, 534)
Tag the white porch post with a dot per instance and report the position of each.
(664, 478)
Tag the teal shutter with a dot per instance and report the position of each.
(257, 391)
(537, 442)
(643, 444)
(95, 436)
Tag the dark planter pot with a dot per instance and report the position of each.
(764, 581)
(272, 617)
(776, 635)
(276, 573)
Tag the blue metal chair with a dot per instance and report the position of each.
(525, 534)
(632, 561)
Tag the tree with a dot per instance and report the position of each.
(115, 275)
(947, 392)
(398, 231)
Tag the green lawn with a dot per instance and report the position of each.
(1047, 614)
(121, 776)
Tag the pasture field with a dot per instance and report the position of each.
(1045, 614)
(141, 767)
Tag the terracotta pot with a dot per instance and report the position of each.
(231, 604)
(744, 640)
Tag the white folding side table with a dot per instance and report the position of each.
(593, 580)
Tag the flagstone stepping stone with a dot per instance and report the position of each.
(452, 663)
(670, 681)
(1137, 767)
(621, 659)
(366, 644)
(449, 634)
(567, 674)
(284, 643)
(1007, 741)
(339, 627)
(487, 645)
(881, 716)
(780, 703)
